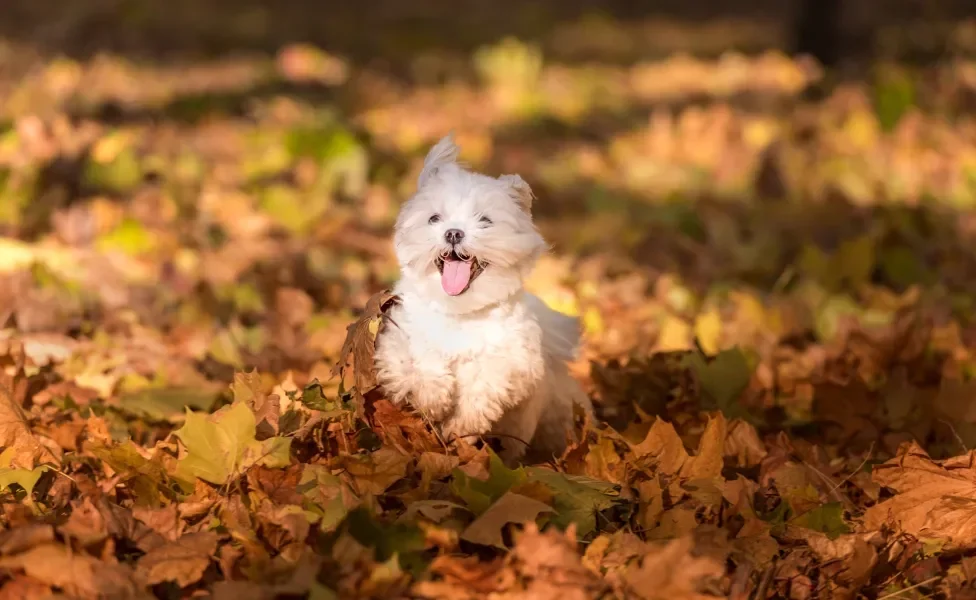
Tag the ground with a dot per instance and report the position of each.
(774, 266)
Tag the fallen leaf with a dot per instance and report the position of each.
(662, 449)
(163, 404)
(722, 379)
(576, 499)
(671, 571)
(374, 473)
(360, 343)
(479, 494)
(510, 508)
(25, 478)
(15, 433)
(223, 444)
(934, 499)
(182, 561)
(708, 461)
(75, 573)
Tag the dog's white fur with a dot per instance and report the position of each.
(491, 360)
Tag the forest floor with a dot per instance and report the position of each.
(776, 277)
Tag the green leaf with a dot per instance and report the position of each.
(326, 495)
(120, 174)
(478, 495)
(130, 237)
(827, 518)
(855, 260)
(403, 540)
(146, 478)
(576, 498)
(225, 350)
(903, 267)
(313, 396)
(163, 404)
(723, 379)
(894, 95)
(290, 209)
(223, 445)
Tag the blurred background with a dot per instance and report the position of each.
(190, 187)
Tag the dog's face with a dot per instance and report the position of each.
(465, 240)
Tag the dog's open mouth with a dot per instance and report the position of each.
(457, 272)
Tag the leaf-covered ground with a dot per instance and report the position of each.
(776, 274)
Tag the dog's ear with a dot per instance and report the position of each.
(444, 152)
(520, 191)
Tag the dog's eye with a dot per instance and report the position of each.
(485, 220)
(434, 219)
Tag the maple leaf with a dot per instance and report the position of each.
(15, 432)
(576, 499)
(510, 508)
(182, 561)
(325, 495)
(672, 571)
(25, 478)
(722, 379)
(360, 342)
(147, 477)
(223, 444)
(663, 450)
(163, 404)
(934, 499)
(480, 494)
(75, 573)
(373, 473)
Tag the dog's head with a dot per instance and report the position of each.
(465, 240)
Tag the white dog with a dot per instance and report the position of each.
(467, 346)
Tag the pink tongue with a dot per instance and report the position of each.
(455, 277)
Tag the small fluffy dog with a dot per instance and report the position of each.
(467, 346)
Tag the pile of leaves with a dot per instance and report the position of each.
(776, 293)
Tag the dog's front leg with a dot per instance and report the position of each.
(427, 385)
(487, 390)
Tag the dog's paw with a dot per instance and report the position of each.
(465, 424)
(434, 398)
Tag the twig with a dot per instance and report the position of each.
(910, 588)
(956, 434)
(765, 582)
(855, 471)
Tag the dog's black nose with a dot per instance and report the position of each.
(453, 236)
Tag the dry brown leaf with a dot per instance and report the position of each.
(73, 572)
(466, 577)
(552, 566)
(934, 499)
(707, 462)
(853, 553)
(434, 466)
(373, 473)
(182, 561)
(15, 431)
(672, 572)
(743, 444)
(662, 449)
(360, 343)
(22, 587)
(14, 541)
(511, 508)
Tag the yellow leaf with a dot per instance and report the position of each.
(675, 335)
(708, 330)
(593, 321)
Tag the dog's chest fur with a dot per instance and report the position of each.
(503, 332)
